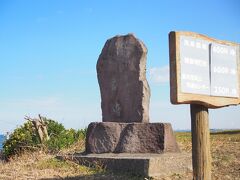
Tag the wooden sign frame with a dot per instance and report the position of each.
(177, 96)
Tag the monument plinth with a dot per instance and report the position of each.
(111, 137)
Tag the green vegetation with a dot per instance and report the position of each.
(60, 137)
(25, 138)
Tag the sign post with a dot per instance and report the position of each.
(201, 155)
(205, 73)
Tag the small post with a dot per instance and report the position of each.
(40, 126)
(201, 155)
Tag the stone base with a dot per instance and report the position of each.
(149, 165)
(112, 137)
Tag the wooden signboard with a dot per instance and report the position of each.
(204, 70)
(205, 73)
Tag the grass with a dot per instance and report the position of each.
(225, 150)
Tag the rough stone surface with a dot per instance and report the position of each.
(121, 70)
(106, 137)
(103, 137)
(149, 165)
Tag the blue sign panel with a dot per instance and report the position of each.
(224, 72)
(208, 68)
(194, 64)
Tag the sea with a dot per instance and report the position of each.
(2, 138)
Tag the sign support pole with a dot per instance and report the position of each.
(201, 155)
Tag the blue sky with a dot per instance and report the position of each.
(49, 50)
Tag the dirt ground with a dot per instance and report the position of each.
(225, 149)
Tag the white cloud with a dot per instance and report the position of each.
(72, 114)
(46, 102)
(159, 74)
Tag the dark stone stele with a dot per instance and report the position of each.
(110, 137)
(121, 70)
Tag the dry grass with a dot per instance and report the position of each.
(225, 149)
(40, 165)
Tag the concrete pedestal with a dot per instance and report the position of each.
(148, 165)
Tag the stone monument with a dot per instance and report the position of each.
(121, 70)
(125, 93)
(125, 141)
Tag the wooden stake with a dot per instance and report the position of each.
(40, 126)
(201, 155)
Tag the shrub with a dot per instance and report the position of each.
(61, 140)
(25, 138)
(22, 138)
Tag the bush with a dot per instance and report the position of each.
(25, 138)
(21, 139)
